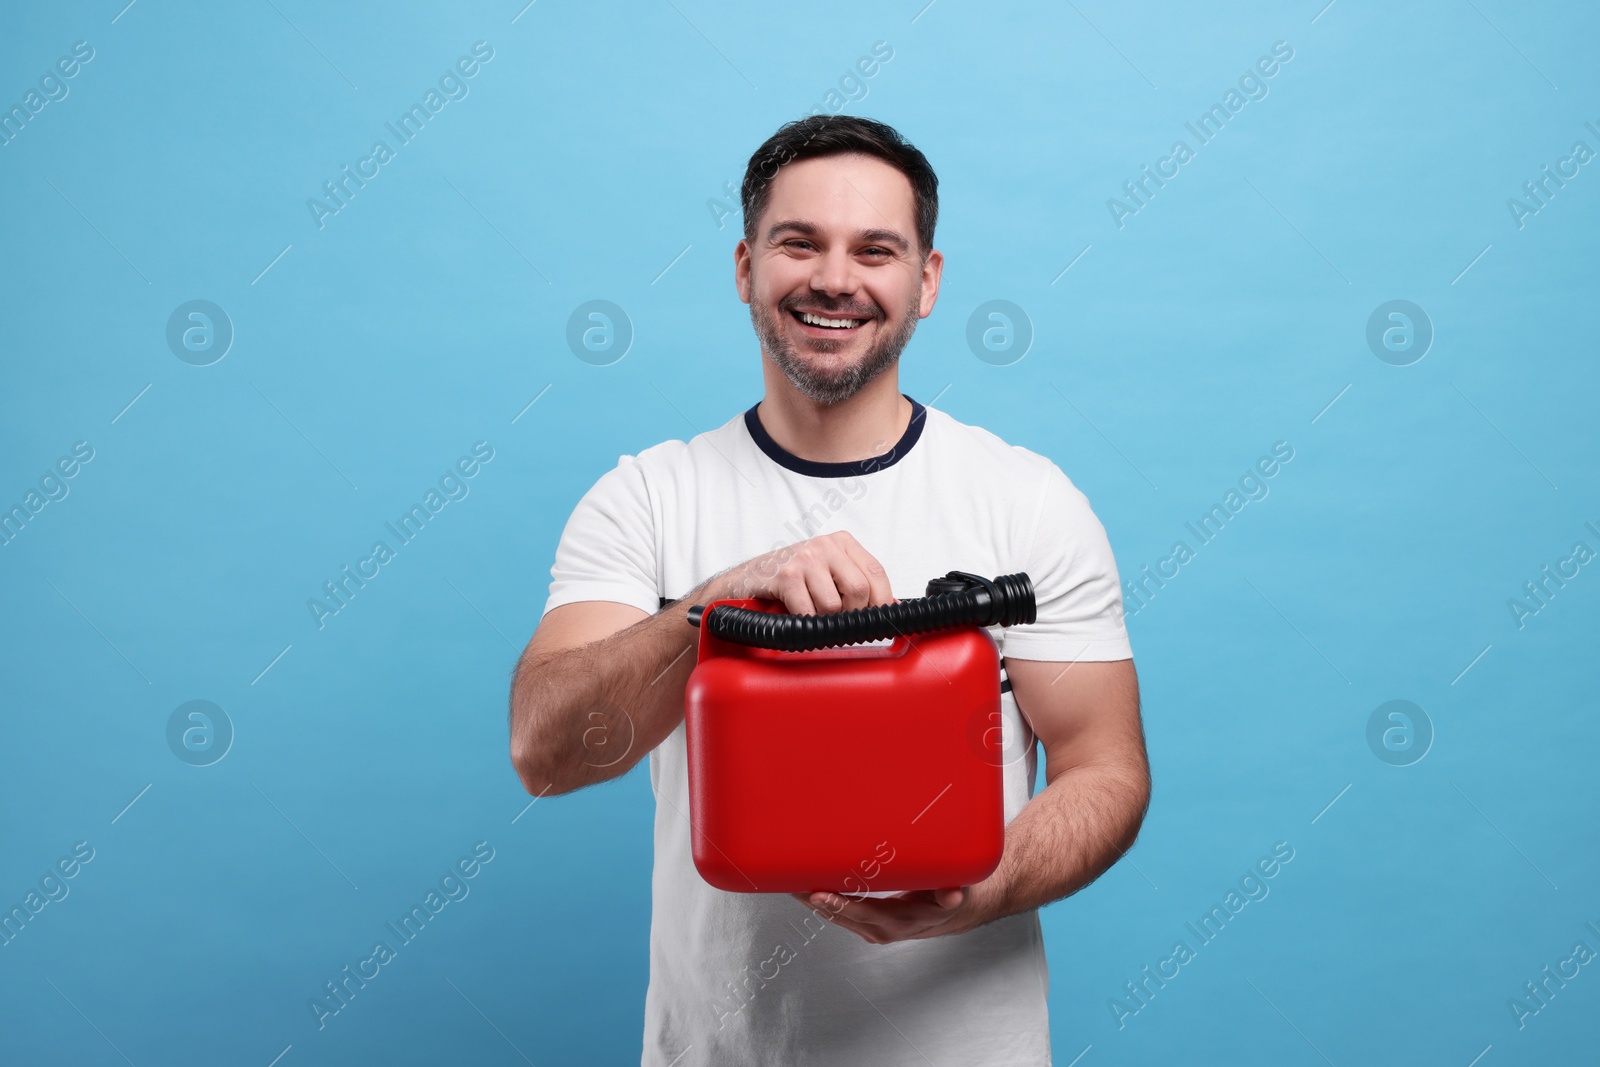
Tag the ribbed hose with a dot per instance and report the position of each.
(957, 599)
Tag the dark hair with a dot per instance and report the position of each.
(830, 135)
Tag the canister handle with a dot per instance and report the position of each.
(710, 644)
(957, 599)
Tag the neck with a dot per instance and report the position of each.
(866, 425)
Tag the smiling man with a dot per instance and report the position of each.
(838, 266)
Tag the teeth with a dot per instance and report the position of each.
(818, 320)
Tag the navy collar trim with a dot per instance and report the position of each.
(851, 468)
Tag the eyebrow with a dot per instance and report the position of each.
(800, 226)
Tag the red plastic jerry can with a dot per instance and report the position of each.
(851, 770)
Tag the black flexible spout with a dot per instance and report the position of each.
(957, 599)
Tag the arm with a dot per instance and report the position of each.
(1086, 716)
(1097, 781)
(601, 684)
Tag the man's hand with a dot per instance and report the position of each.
(824, 575)
(903, 917)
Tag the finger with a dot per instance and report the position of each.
(869, 932)
(876, 577)
(816, 903)
(890, 930)
(850, 582)
(824, 582)
(795, 590)
(826, 900)
(837, 905)
(872, 935)
(885, 911)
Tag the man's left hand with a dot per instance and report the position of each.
(904, 917)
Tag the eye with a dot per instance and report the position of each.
(879, 251)
(796, 241)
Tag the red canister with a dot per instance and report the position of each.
(852, 770)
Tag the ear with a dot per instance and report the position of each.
(932, 271)
(741, 269)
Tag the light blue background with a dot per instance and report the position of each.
(426, 315)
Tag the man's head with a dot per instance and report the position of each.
(839, 214)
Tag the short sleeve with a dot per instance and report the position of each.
(608, 547)
(1075, 582)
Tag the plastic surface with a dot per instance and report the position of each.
(854, 770)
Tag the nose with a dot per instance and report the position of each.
(833, 273)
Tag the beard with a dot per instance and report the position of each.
(816, 383)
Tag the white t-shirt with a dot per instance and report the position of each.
(745, 978)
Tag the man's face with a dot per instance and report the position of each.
(837, 241)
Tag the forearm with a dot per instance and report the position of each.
(1066, 836)
(587, 714)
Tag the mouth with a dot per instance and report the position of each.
(816, 325)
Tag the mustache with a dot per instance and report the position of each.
(822, 307)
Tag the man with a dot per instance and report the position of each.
(837, 264)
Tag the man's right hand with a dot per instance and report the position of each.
(822, 576)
